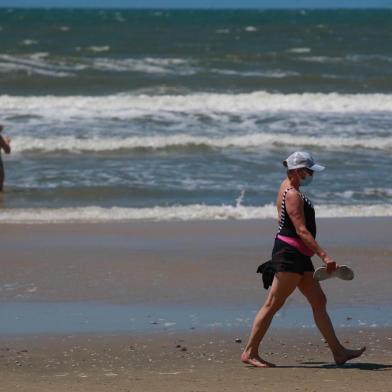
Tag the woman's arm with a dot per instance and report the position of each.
(5, 144)
(295, 209)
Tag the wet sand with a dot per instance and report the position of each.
(181, 263)
(187, 267)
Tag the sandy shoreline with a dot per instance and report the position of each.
(183, 263)
(191, 362)
(188, 266)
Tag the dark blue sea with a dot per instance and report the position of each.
(161, 115)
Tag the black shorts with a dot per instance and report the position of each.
(286, 258)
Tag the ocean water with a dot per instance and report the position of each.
(181, 115)
(85, 317)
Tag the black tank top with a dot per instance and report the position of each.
(286, 226)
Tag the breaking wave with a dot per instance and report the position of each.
(94, 214)
(129, 106)
(73, 144)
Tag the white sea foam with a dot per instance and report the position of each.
(383, 192)
(299, 50)
(28, 42)
(52, 67)
(350, 58)
(104, 48)
(251, 29)
(128, 106)
(36, 64)
(345, 194)
(265, 74)
(119, 17)
(6, 68)
(257, 140)
(322, 59)
(370, 57)
(145, 65)
(379, 193)
(177, 213)
(39, 55)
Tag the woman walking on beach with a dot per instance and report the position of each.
(4, 145)
(291, 265)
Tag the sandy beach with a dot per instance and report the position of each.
(179, 262)
(147, 140)
(191, 362)
(159, 306)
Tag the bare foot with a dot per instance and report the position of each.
(256, 361)
(346, 355)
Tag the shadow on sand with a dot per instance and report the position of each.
(353, 365)
(327, 365)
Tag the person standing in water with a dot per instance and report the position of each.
(291, 265)
(4, 145)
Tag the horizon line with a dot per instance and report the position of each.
(201, 8)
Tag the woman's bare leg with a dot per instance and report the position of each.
(283, 285)
(311, 289)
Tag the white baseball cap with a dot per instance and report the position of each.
(300, 159)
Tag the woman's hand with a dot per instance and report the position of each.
(330, 264)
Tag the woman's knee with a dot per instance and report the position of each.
(273, 304)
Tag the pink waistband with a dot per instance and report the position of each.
(297, 244)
